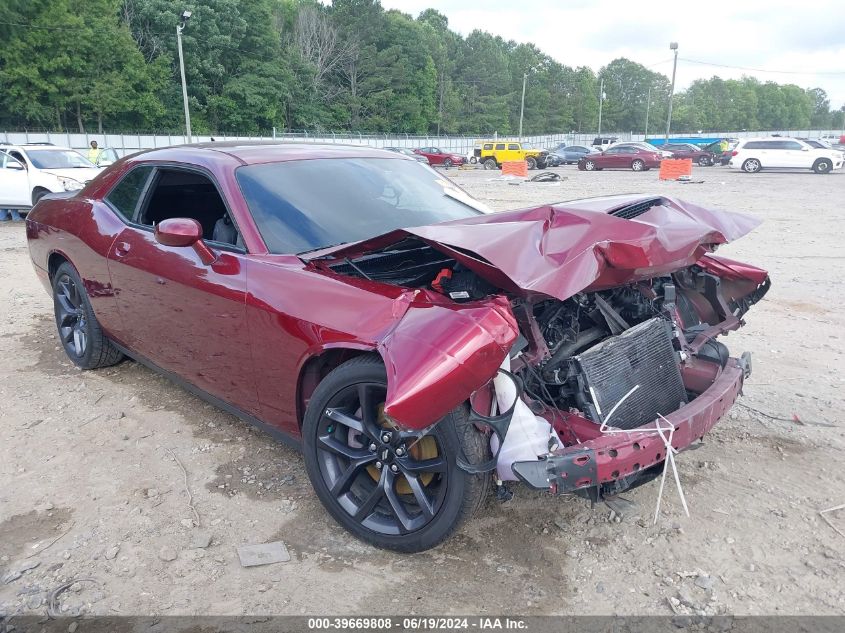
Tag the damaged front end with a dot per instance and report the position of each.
(575, 330)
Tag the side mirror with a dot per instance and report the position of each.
(181, 232)
(178, 232)
(13, 164)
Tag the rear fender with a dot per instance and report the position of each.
(438, 355)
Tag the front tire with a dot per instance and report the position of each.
(393, 489)
(447, 163)
(490, 164)
(751, 166)
(532, 162)
(79, 331)
(589, 165)
(703, 161)
(822, 166)
(638, 165)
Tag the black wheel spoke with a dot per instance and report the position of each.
(347, 477)
(405, 521)
(332, 444)
(368, 404)
(66, 334)
(338, 416)
(423, 501)
(67, 307)
(371, 500)
(433, 465)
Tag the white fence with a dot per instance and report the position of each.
(130, 143)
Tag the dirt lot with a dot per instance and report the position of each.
(89, 488)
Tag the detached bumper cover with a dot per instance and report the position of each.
(612, 457)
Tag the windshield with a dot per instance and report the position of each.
(306, 205)
(57, 159)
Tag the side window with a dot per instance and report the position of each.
(180, 193)
(7, 162)
(125, 195)
(500, 146)
(513, 146)
(18, 156)
(791, 145)
(488, 146)
(613, 150)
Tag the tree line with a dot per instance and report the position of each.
(252, 65)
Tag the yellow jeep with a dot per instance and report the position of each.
(494, 153)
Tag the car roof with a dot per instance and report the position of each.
(260, 152)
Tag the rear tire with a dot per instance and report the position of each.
(822, 166)
(79, 331)
(589, 165)
(370, 477)
(751, 166)
(490, 164)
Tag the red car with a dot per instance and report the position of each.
(437, 156)
(417, 348)
(623, 157)
(693, 152)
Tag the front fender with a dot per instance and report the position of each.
(438, 355)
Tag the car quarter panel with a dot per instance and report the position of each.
(81, 231)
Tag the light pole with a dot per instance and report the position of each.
(647, 107)
(522, 107)
(601, 102)
(673, 46)
(186, 15)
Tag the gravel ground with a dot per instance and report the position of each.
(92, 482)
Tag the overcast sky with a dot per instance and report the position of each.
(806, 38)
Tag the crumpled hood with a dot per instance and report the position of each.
(559, 250)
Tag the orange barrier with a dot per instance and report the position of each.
(671, 169)
(515, 168)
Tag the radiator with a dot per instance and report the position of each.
(644, 356)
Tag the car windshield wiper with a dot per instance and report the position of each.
(319, 248)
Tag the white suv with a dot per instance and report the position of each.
(753, 154)
(29, 172)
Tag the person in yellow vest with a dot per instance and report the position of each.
(94, 152)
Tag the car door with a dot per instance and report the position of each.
(513, 152)
(797, 155)
(185, 315)
(14, 183)
(613, 157)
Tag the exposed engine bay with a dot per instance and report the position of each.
(614, 357)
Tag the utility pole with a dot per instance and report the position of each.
(440, 107)
(601, 102)
(647, 107)
(522, 107)
(186, 15)
(673, 46)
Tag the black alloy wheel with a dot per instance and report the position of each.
(396, 489)
(79, 331)
(70, 316)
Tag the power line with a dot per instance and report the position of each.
(763, 70)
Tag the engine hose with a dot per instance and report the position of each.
(565, 350)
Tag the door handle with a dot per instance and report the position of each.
(122, 248)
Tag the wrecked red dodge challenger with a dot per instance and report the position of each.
(418, 348)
